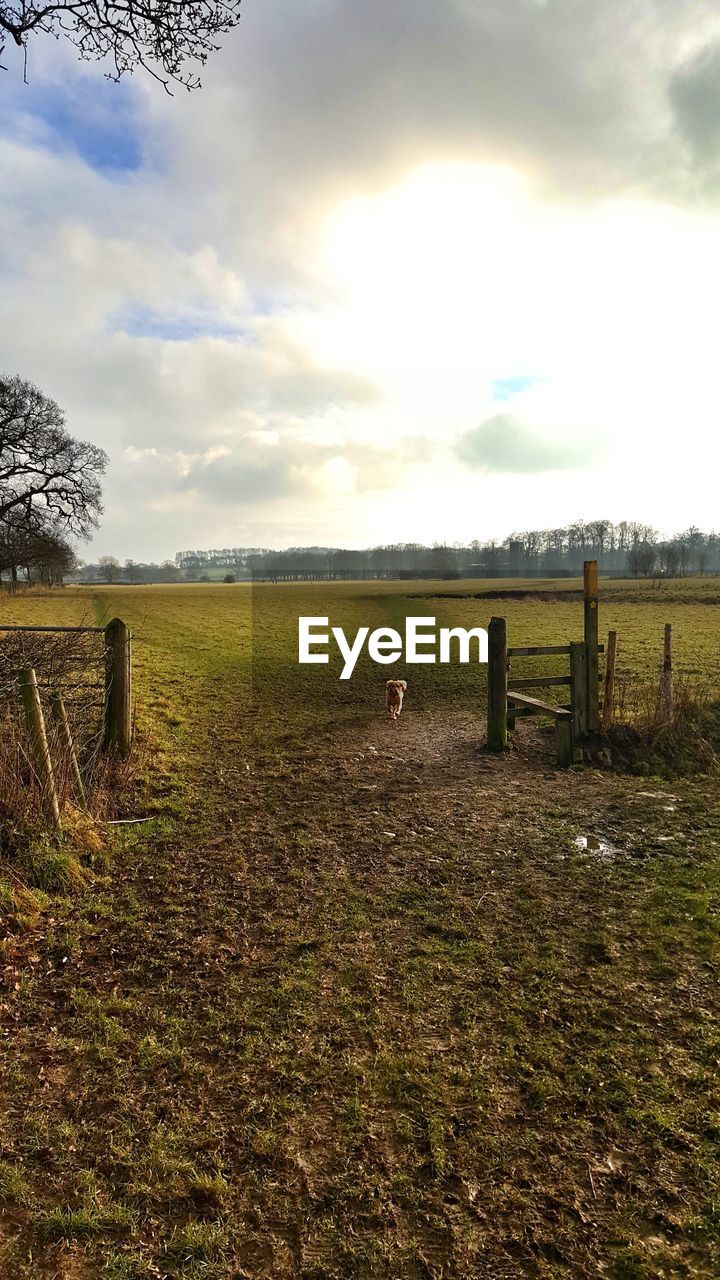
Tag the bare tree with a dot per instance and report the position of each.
(161, 36)
(51, 558)
(16, 541)
(35, 546)
(693, 539)
(646, 555)
(109, 567)
(43, 470)
(668, 558)
(597, 531)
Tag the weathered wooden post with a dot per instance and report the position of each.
(118, 726)
(609, 696)
(578, 689)
(666, 679)
(59, 715)
(39, 743)
(590, 577)
(497, 685)
(564, 741)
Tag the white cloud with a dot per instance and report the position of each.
(302, 298)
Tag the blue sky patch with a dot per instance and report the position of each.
(504, 388)
(93, 117)
(143, 322)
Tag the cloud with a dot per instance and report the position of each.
(328, 98)
(291, 291)
(261, 467)
(694, 93)
(503, 444)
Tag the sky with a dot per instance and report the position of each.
(400, 271)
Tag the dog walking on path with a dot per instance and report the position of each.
(394, 692)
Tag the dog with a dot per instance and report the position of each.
(394, 692)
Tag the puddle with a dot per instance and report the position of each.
(603, 850)
(598, 848)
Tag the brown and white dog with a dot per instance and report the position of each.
(394, 691)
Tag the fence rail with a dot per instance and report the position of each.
(88, 666)
(76, 630)
(542, 650)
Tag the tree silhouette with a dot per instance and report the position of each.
(44, 472)
(162, 36)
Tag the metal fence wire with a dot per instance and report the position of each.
(71, 661)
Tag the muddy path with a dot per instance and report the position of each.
(367, 1009)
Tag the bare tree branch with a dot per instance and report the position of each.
(161, 36)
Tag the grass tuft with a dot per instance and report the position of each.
(84, 1223)
(55, 870)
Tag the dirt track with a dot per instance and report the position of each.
(374, 986)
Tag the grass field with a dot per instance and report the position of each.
(363, 1001)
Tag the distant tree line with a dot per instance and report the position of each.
(109, 569)
(623, 548)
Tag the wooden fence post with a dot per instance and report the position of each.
(609, 696)
(590, 577)
(497, 685)
(666, 680)
(579, 689)
(117, 735)
(59, 715)
(564, 743)
(38, 740)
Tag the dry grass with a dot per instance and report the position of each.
(650, 737)
(355, 1004)
(36, 854)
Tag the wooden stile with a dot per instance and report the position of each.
(564, 746)
(537, 707)
(497, 718)
(590, 582)
(579, 689)
(538, 682)
(582, 715)
(521, 704)
(537, 650)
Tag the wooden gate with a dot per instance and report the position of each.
(507, 699)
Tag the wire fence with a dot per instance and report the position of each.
(638, 697)
(71, 664)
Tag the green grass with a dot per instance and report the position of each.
(354, 1004)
